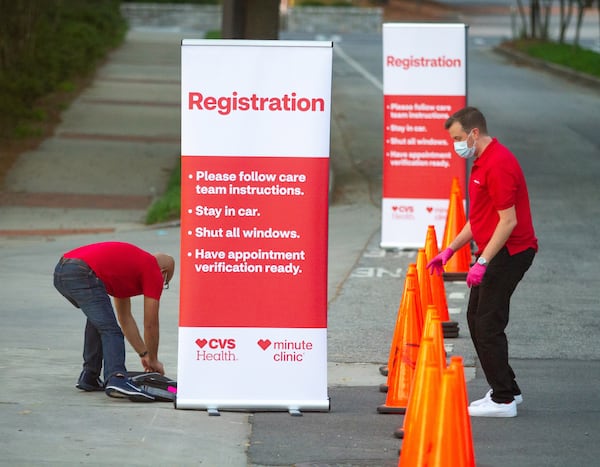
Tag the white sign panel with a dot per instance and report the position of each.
(254, 216)
(424, 82)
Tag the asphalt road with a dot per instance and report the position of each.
(551, 124)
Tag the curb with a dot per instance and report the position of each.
(559, 70)
(60, 232)
(55, 232)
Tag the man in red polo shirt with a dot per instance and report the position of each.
(88, 276)
(500, 224)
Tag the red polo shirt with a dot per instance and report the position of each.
(125, 269)
(497, 183)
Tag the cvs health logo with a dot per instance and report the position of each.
(216, 343)
(403, 209)
(216, 350)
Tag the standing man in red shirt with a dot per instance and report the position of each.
(87, 276)
(500, 224)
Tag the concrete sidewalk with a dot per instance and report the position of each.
(127, 122)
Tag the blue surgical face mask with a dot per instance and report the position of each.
(462, 148)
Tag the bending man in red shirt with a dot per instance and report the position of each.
(87, 276)
(501, 226)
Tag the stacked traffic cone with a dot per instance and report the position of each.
(433, 329)
(457, 267)
(402, 372)
(421, 415)
(434, 354)
(396, 341)
(452, 443)
(438, 290)
(411, 282)
(412, 279)
(424, 282)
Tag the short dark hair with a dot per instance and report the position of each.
(469, 118)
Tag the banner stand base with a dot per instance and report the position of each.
(216, 413)
(294, 408)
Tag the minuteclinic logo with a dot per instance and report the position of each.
(216, 349)
(406, 63)
(286, 351)
(224, 105)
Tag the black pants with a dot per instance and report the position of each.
(487, 316)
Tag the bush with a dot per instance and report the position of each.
(45, 46)
(342, 3)
(195, 2)
(168, 206)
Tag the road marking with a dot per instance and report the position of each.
(357, 67)
(369, 273)
(456, 295)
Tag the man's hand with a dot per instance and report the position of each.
(151, 366)
(439, 261)
(475, 275)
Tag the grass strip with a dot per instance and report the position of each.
(570, 56)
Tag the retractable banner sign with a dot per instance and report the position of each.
(255, 123)
(424, 82)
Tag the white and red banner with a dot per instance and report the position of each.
(424, 82)
(255, 122)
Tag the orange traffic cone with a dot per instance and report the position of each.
(452, 439)
(411, 281)
(424, 282)
(412, 278)
(402, 373)
(432, 334)
(396, 339)
(433, 329)
(438, 290)
(457, 267)
(460, 392)
(396, 343)
(431, 243)
(428, 355)
(423, 410)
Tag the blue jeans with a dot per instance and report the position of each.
(103, 338)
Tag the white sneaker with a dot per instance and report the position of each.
(489, 408)
(488, 397)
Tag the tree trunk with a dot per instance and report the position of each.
(523, 32)
(565, 18)
(233, 19)
(580, 11)
(250, 19)
(582, 5)
(535, 17)
(262, 20)
(545, 26)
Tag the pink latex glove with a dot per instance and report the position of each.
(475, 275)
(437, 263)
